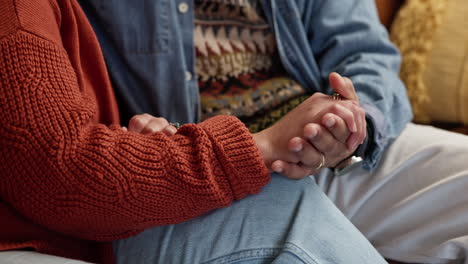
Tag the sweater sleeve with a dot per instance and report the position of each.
(67, 173)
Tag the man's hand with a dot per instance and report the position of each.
(344, 86)
(318, 145)
(284, 143)
(342, 129)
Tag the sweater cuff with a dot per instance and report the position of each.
(238, 154)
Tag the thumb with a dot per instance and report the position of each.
(343, 86)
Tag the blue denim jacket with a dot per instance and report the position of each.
(149, 51)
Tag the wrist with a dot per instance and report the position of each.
(264, 147)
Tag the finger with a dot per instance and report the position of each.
(350, 86)
(347, 115)
(357, 138)
(155, 125)
(358, 117)
(139, 122)
(305, 153)
(340, 85)
(124, 129)
(169, 130)
(290, 170)
(336, 126)
(326, 144)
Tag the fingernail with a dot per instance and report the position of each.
(298, 148)
(313, 134)
(330, 122)
(278, 170)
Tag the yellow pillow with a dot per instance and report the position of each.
(433, 38)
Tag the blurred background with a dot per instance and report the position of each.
(433, 38)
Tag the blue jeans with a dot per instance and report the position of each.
(288, 222)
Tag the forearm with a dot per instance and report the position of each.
(65, 172)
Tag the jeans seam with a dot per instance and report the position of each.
(245, 254)
(298, 251)
(264, 252)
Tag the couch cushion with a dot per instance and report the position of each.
(433, 39)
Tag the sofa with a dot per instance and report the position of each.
(432, 37)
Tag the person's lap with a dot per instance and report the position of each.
(414, 207)
(288, 222)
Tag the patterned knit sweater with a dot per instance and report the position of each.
(238, 67)
(67, 169)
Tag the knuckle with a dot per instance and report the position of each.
(362, 111)
(135, 118)
(132, 121)
(153, 129)
(162, 121)
(137, 121)
(318, 95)
(358, 109)
(336, 106)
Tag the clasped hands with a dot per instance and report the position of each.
(319, 133)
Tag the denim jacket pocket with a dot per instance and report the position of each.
(133, 31)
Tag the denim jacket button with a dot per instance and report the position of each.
(183, 7)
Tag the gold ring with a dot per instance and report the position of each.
(337, 96)
(321, 163)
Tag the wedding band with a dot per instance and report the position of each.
(321, 163)
(176, 125)
(337, 96)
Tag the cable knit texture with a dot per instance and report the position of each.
(67, 166)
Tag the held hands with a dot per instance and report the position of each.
(323, 132)
(147, 124)
(320, 131)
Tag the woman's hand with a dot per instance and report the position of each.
(147, 124)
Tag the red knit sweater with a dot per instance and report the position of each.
(68, 173)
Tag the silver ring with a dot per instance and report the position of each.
(321, 163)
(176, 125)
(337, 97)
